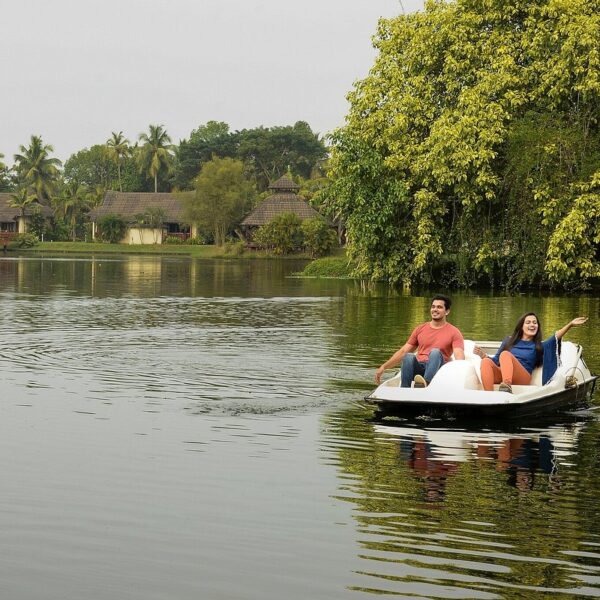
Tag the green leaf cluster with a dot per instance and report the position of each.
(222, 196)
(471, 151)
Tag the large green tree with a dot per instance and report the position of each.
(155, 155)
(271, 151)
(222, 196)
(471, 150)
(206, 141)
(91, 167)
(37, 170)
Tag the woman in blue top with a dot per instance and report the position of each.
(521, 352)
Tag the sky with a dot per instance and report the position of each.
(73, 71)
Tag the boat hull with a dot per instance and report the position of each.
(559, 401)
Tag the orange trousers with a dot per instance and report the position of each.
(510, 371)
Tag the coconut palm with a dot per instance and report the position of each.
(72, 204)
(37, 170)
(21, 199)
(156, 152)
(118, 149)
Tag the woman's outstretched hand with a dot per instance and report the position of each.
(578, 321)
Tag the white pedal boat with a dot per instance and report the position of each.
(456, 389)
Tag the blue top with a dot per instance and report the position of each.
(524, 352)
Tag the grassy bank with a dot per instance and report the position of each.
(200, 251)
(336, 267)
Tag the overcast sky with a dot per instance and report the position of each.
(75, 70)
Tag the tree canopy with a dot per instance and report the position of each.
(472, 149)
(223, 194)
(267, 152)
(37, 170)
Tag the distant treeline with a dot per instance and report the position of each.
(152, 162)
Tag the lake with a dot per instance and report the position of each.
(179, 428)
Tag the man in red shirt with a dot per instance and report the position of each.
(435, 341)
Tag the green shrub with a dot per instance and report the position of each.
(282, 235)
(329, 267)
(234, 248)
(173, 239)
(319, 237)
(112, 228)
(26, 240)
(196, 241)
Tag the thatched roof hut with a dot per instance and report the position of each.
(285, 199)
(9, 213)
(128, 205)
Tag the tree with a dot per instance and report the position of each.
(211, 139)
(282, 234)
(112, 228)
(5, 182)
(118, 150)
(37, 170)
(222, 196)
(154, 217)
(319, 238)
(71, 205)
(21, 199)
(91, 167)
(471, 145)
(272, 151)
(156, 153)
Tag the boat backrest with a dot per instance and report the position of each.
(536, 376)
(569, 354)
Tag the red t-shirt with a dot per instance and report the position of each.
(445, 339)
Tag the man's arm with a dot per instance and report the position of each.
(459, 354)
(394, 360)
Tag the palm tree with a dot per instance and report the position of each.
(21, 199)
(36, 169)
(118, 149)
(72, 204)
(156, 152)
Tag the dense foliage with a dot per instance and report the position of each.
(267, 152)
(282, 234)
(223, 195)
(472, 149)
(112, 228)
(319, 238)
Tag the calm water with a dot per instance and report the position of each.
(187, 429)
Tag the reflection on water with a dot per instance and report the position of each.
(473, 514)
(177, 428)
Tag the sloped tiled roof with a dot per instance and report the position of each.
(129, 204)
(8, 213)
(284, 184)
(280, 203)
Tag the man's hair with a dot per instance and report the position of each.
(445, 299)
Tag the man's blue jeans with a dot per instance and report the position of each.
(411, 367)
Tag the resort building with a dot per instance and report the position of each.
(13, 220)
(150, 217)
(285, 199)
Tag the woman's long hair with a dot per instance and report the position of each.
(517, 334)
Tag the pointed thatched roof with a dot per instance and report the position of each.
(130, 204)
(284, 184)
(8, 213)
(284, 200)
